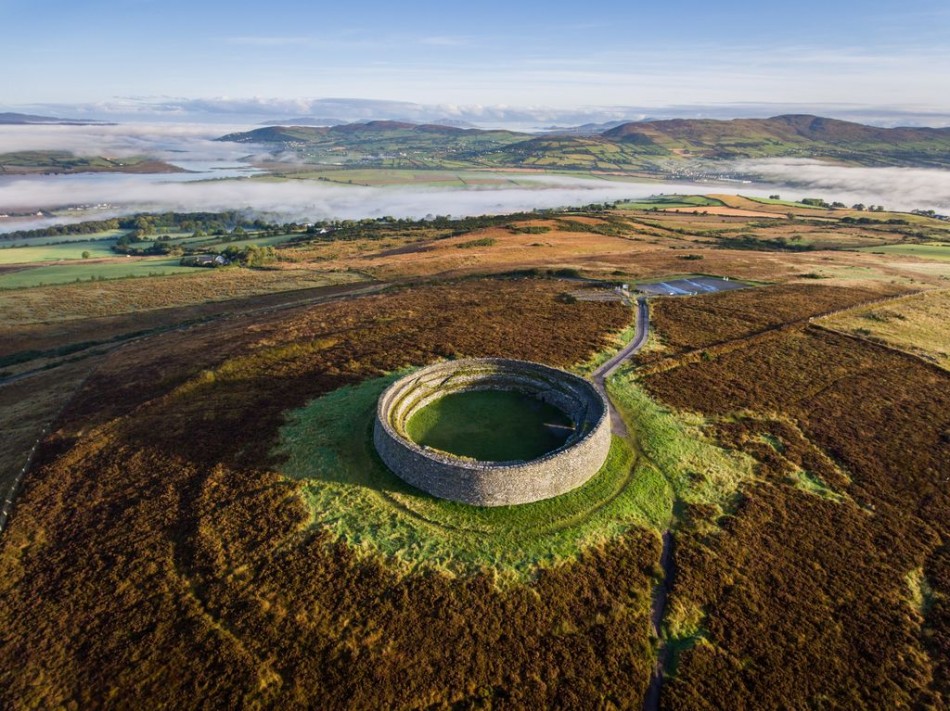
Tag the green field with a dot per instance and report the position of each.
(490, 425)
(939, 251)
(81, 270)
(99, 248)
(786, 203)
(56, 252)
(55, 239)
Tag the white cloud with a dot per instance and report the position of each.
(164, 141)
(259, 108)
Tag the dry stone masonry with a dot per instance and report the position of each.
(493, 483)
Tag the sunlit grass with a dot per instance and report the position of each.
(327, 445)
(697, 470)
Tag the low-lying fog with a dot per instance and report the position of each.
(894, 188)
(192, 147)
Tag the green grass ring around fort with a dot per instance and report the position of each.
(559, 438)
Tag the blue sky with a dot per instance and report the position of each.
(487, 53)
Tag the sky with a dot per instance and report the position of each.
(277, 57)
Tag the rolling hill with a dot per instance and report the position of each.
(15, 119)
(62, 162)
(636, 146)
(383, 142)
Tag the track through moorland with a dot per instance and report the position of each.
(619, 428)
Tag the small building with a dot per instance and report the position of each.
(204, 260)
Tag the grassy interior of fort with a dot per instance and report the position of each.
(490, 425)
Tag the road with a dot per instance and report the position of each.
(600, 375)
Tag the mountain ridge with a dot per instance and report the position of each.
(636, 145)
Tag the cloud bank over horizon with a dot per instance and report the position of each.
(238, 111)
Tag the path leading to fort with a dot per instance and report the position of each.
(600, 375)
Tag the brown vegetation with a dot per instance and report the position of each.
(700, 322)
(155, 558)
(803, 593)
(106, 298)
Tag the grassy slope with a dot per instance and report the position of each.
(938, 251)
(85, 271)
(916, 324)
(352, 493)
(64, 162)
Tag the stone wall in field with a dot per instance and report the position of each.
(493, 483)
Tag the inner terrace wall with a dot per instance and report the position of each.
(493, 483)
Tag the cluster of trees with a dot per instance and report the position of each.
(818, 202)
(80, 228)
(871, 221)
(777, 244)
(251, 256)
(150, 224)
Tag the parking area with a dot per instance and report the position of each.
(688, 286)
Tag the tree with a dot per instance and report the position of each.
(86, 254)
(255, 256)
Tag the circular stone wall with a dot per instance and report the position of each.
(493, 483)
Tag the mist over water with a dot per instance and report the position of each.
(894, 188)
(305, 201)
(213, 183)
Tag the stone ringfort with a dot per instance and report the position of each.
(493, 483)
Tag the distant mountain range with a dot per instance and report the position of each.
(632, 146)
(14, 119)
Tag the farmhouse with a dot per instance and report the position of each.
(204, 260)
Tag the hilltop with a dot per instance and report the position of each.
(791, 134)
(206, 515)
